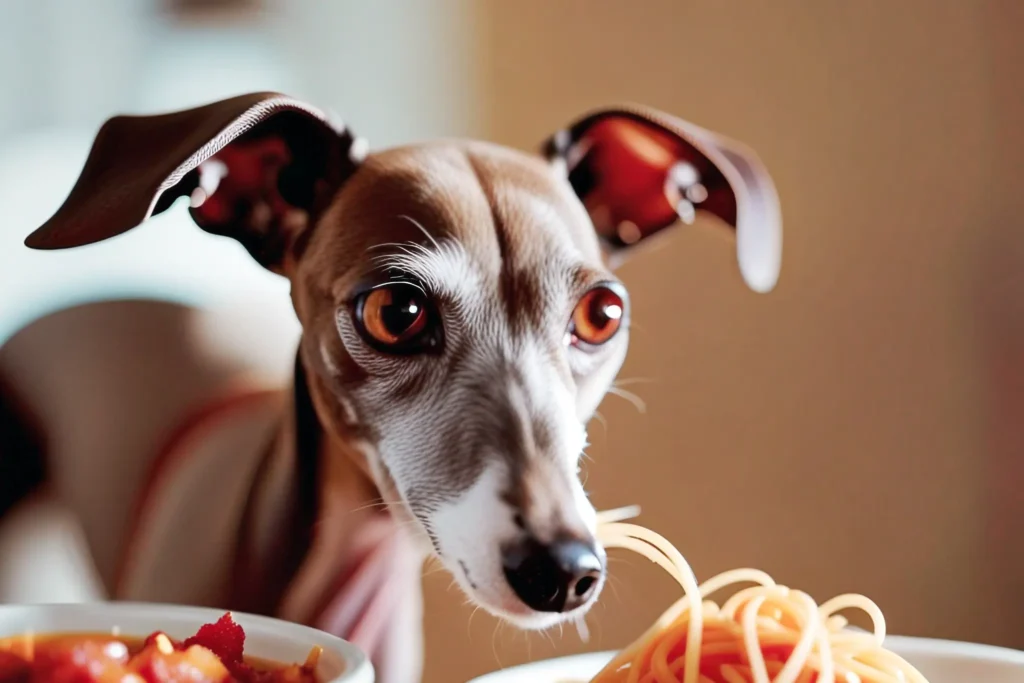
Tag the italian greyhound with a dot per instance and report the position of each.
(461, 321)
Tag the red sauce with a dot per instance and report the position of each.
(215, 654)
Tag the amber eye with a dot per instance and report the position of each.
(598, 316)
(398, 318)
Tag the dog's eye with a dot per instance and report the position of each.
(398, 318)
(598, 316)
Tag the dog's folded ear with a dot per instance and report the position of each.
(638, 171)
(256, 168)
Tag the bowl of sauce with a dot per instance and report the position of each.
(121, 642)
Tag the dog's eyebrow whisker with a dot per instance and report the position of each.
(411, 284)
(411, 258)
(637, 402)
(417, 249)
(399, 245)
(404, 250)
(446, 269)
(405, 258)
(422, 229)
(387, 245)
(407, 247)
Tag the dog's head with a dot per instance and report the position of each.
(461, 319)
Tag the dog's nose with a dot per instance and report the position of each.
(552, 578)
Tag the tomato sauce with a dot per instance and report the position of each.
(215, 654)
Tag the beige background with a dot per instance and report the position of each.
(842, 432)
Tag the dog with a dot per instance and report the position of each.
(461, 321)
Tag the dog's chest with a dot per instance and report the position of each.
(184, 533)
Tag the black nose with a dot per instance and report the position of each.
(552, 578)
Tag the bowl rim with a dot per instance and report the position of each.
(905, 645)
(358, 668)
(962, 649)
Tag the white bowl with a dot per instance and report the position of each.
(941, 661)
(265, 638)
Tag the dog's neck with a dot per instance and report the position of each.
(310, 495)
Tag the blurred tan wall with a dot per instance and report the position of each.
(850, 430)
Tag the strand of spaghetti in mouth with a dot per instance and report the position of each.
(764, 633)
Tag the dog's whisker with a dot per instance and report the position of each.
(629, 396)
(436, 569)
(469, 622)
(422, 229)
(494, 643)
(405, 250)
(393, 245)
(377, 504)
(550, 636)
(399, 261)
(434, 572)
(612, 583)
(386, 245)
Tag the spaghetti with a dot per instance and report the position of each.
(765, 633)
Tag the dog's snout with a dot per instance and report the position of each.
(557, 577)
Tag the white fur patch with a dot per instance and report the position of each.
(444, 268)
(470, 532)
(463, 525)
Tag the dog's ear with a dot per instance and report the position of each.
(256, 168)
(638, 171)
